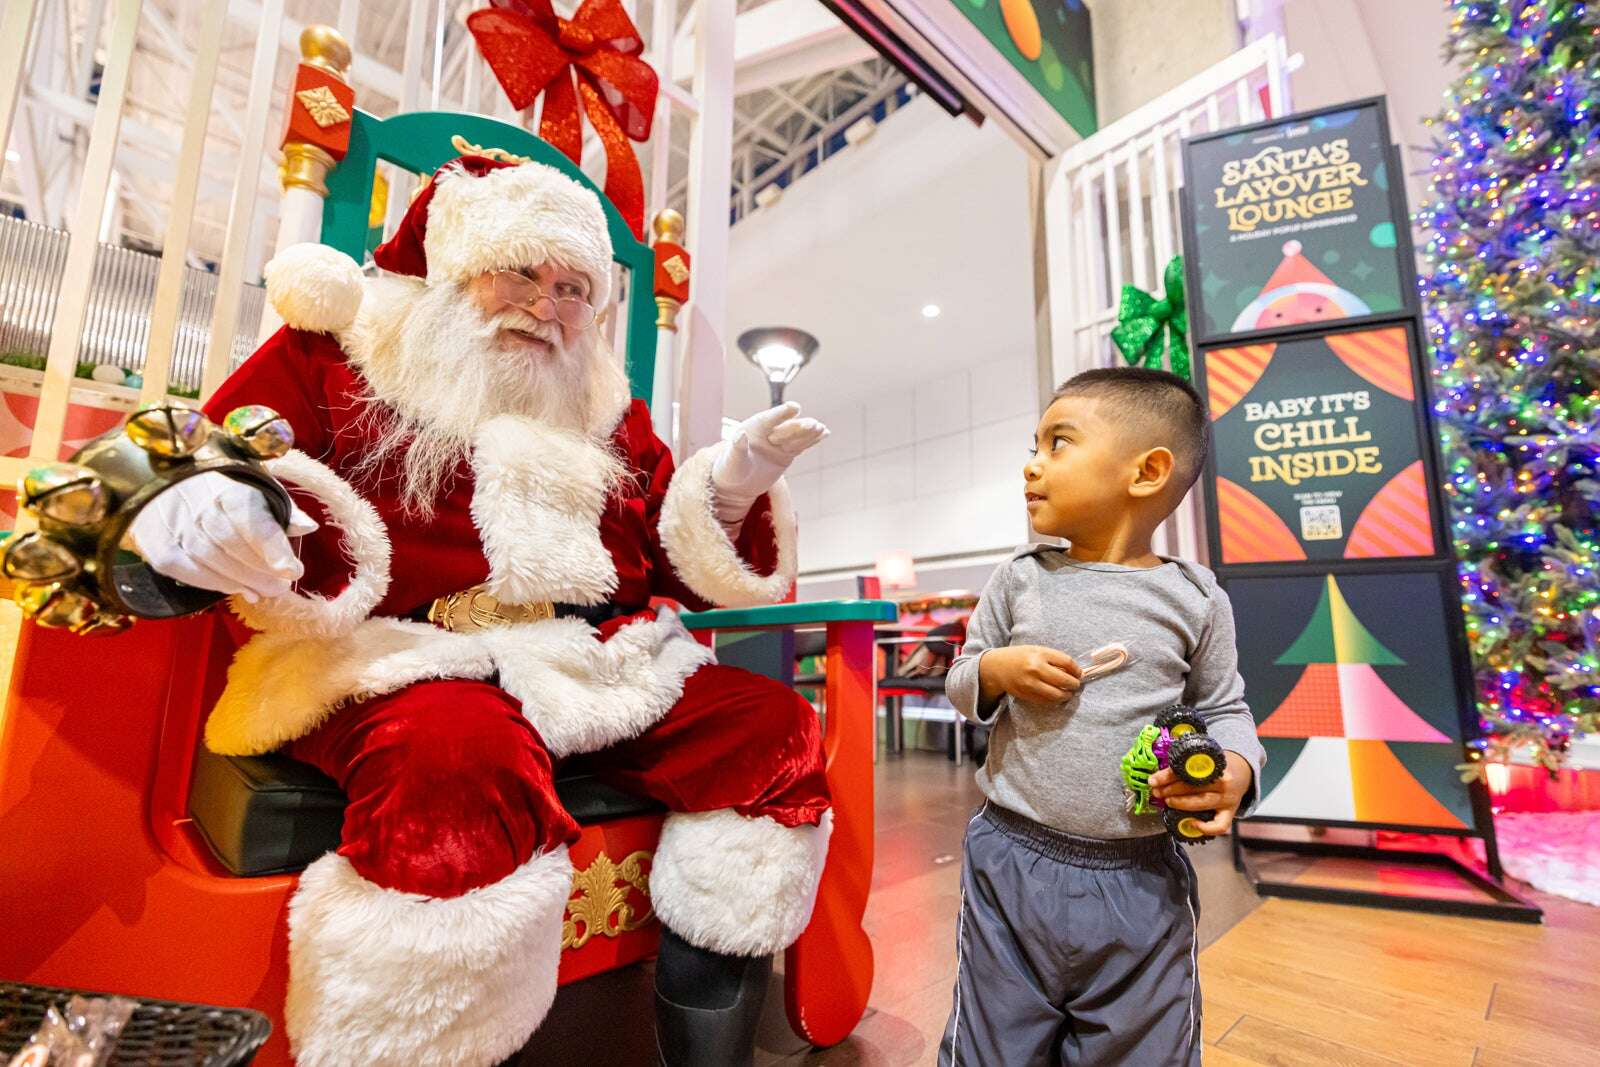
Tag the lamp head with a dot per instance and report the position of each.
(778, 352)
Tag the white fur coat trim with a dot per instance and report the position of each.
(536, 500)
(382, 978)
(700, 550)
(283, 685)
(737, 885)
(313, 287)
(581, 694)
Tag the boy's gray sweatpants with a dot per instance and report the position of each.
(1072, 950)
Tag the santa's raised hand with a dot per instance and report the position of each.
(753, 460)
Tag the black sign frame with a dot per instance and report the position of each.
(1427, 437)
(1410, 305)
(1460, 675)
(1503, 903)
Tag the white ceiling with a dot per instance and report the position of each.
(930, 209)
(794, 71)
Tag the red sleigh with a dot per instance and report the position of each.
(108, 880)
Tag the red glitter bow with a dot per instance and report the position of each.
(531, 49)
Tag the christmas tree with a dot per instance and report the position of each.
(1513, 309)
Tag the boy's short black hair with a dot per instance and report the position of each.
(1164, 405)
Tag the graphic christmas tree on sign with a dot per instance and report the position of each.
(1347, 770)
(1513, 307)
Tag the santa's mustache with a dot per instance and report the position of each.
(528, 324)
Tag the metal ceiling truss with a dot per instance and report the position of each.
(788, 130)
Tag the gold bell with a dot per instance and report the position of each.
(169, 430)
(55, 606)
(261, 431)
(64, 492)
(103, 624)
(34, 557)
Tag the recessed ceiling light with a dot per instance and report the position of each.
(930, 311)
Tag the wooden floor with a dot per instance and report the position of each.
(1285, 982)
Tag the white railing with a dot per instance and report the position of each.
(121, 294)
(1112, 218)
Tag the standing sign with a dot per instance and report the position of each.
(1354, 682)
(1324, 512)
(1296, 223)
(1320, 449)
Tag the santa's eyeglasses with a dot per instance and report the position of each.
(521, 291)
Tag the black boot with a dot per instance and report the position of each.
(707, 1005)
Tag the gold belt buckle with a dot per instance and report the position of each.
(477, 609)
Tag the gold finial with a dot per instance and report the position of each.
(305, 166)
(668, 226)
(326, 49)
(667, 313)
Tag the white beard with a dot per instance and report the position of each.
(441, 372)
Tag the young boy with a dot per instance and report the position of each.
(1077, 941)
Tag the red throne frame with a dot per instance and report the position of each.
(106, 884)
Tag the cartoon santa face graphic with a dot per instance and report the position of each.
(1298, 293)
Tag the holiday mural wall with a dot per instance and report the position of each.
(1295, 224)
(1048, 43)
(1512, 299)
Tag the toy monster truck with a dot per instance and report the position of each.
(1176, 739)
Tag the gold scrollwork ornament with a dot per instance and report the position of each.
(600, 905)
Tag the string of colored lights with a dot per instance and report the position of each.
(1513, 310)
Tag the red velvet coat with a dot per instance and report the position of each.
(527, 515)
(306, 378)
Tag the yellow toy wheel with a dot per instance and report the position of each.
(1195, 758)
(1180, 721)
(1185, 826)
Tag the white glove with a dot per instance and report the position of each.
(756, 457)
(213, 532)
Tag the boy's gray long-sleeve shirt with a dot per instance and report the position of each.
(1060, 763)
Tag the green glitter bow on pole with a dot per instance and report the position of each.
(1148, 329)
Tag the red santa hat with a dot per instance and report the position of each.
(475, 214)
(479, 214)
(1294, 268)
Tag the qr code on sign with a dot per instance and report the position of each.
(1321, 522)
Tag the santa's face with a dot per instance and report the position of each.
(1298, 308)
(557, 298)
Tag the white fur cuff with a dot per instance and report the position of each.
(389, 979)
(701, 551)
(740, 886)
(314, 287)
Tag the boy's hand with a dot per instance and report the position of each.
(1224, 795)
(1030, 672)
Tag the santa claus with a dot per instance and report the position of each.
(531, 516)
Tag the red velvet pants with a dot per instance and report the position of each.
(450, 787)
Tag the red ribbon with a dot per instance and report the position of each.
(531, 51)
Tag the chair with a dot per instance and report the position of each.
(922, 673)
(136, 861)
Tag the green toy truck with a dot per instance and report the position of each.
(1177, 739)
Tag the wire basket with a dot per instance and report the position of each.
(161, 1033)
